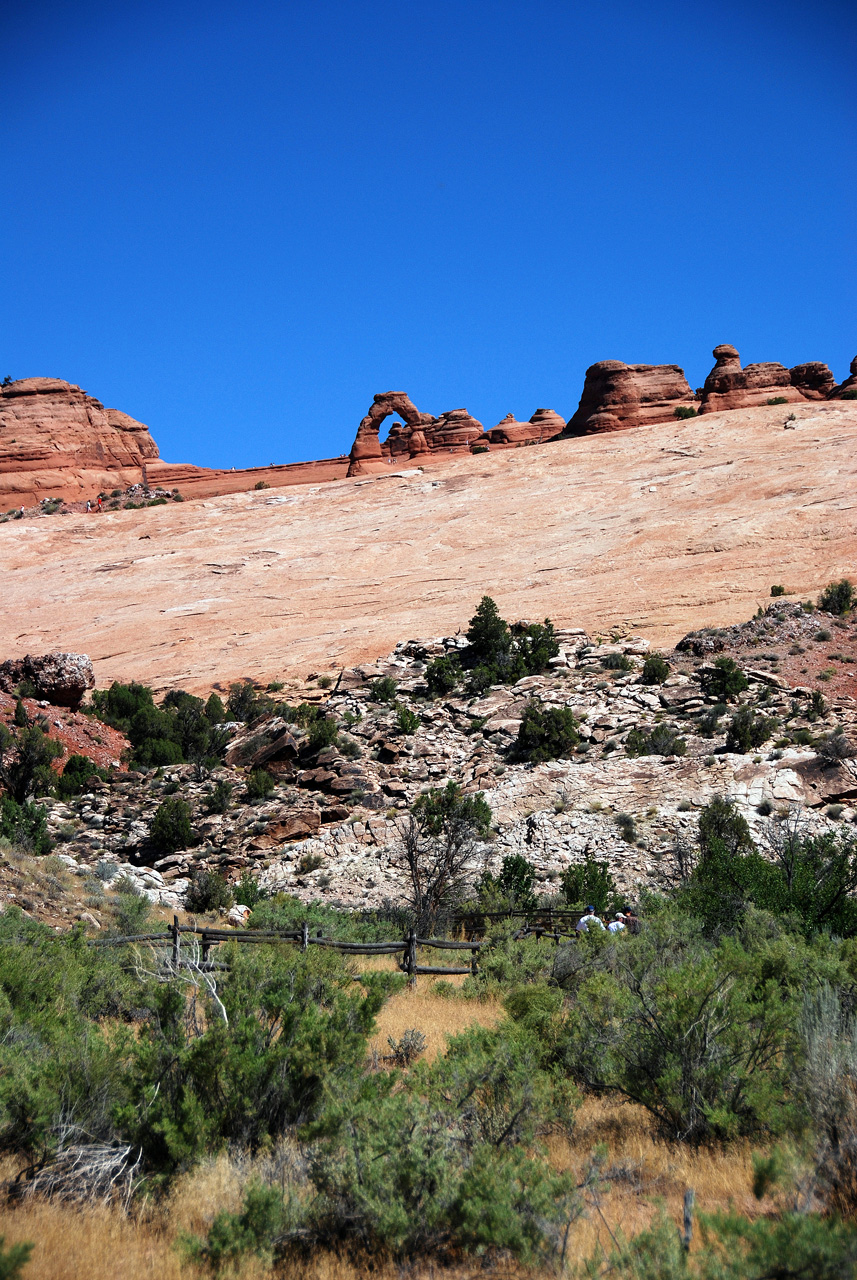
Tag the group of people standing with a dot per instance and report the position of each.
(621, 921)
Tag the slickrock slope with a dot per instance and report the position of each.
(665, 528)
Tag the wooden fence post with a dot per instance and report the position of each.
(304, 936)
(474, 961)
(688, 1219)
(176, 941)
(411, 954)
(206, 946)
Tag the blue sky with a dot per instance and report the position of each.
(237, 222)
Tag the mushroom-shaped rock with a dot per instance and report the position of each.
(618, 396)
(728, 386)
(60, 678)
(456, 429)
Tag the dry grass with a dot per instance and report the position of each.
(641, 1171)
(434, 1015)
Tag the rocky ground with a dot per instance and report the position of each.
(330, 828)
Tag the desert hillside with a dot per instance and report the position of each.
(663, 528)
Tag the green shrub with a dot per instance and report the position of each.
(245, 704)
(850, 394)
(546, 733)
(76, 776)
(383, 689)
(616, 662)
(788, 1245)
(291, 1032)
(690, 1031)
(442, 675)
(655, 669)
(249, 892)
(131, 909)
(683, 411)
(13, 1259)
(208, 891)
(25, 825)
(322, 733)
(407, 721)
(748, 730)
(778, 591)
(498, 654)
(233, 1236)
(25, 762)
(219, 797)
(777, 400)
(726, 681)
(662, 740)
(512, 888)
(837, 598)
(21, 719)
(260, 784)
(589, 883)
(170, 828)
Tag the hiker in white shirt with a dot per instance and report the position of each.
(588, 919)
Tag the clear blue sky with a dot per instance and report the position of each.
(237, 222)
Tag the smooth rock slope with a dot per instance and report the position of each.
(664, 528)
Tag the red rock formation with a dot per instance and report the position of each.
(618, 396)
(543, 425)
(419, 435)
(847, 390)
(728, 386)
(366, 452)
(813, 380)
(57, 441)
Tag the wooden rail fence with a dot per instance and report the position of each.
(538, 924)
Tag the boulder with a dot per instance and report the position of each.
(298, 826)
(59, 678)
(813, 380)
(728, 386)
(619, 396)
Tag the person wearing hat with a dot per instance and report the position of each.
(617, 924)
(587, 920)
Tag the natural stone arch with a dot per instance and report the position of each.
(366, 452)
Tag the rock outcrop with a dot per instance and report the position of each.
(417, 435)
(728, 386)
(59, 678)
(813, 380)
(847, 390)
(544, 425)
(619, 396)
(55, 440)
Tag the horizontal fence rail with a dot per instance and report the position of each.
(541, 923)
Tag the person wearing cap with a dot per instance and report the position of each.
(587, 920)
(617, 924)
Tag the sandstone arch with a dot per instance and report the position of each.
(421, 433)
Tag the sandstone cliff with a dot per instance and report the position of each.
(55, 440)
